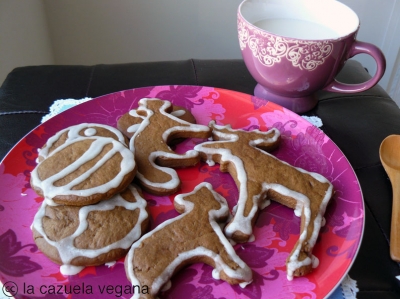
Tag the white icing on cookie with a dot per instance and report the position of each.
(243, 273)
(48, 187)
(133, 128)
(73, 132)
(66, 248)
(160, 149)
(243, 223)
(174, 181)
(110, 264)
(178, 113)
(90, 132)
(68, 270)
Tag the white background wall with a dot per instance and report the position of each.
(34, 32)
(95, 31)
(24, 35)
(380, 25)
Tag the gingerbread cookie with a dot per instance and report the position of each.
(80, 130)
(75, 237)
(260, 177)
(150, 144)
(129, 122)
(194, 236)
(82, 170)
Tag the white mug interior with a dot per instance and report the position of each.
(330, 14)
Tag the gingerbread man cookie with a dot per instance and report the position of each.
(260, 177)
(150, 143)
(194, 236)
(129, 122)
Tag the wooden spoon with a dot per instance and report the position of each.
(389, 153)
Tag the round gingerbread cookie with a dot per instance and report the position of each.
(75, 237)
(84, 170)
(80, 130)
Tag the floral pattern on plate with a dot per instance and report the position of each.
(276, 229)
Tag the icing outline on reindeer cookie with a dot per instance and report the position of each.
(243, 223)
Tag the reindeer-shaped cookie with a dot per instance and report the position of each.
(192, 237)
(153, 128)
(260, 177)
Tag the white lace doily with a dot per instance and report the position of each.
(315, 120)
(348, 287)
(61, 105)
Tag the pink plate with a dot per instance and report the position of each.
(24, 268)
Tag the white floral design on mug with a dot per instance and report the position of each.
(270, 49)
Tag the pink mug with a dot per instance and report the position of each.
(294, 48)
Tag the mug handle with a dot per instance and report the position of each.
(358, 48)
